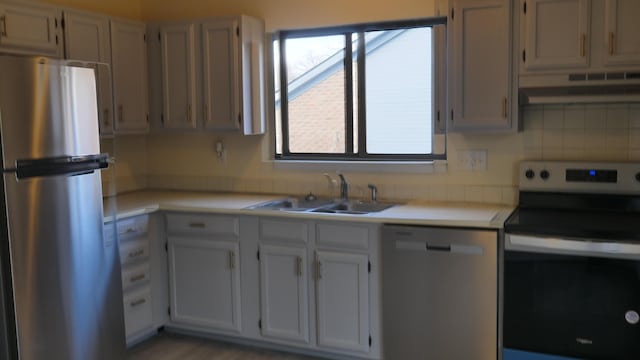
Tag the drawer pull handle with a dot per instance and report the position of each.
(189, 113)
(136, 253)
(443, 248)
(197, 225)
(130, 230)
(504, 107)
(299, 266)
(137, 302)
(583, 43)
(138, 277)
(319, 269)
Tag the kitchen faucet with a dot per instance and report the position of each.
(344, 188)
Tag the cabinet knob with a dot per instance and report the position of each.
(583, 44)
(504, 107)
(612, 38)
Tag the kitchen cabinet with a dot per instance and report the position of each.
(129, 68)
(621, 29)
(212, 73)
(137, 286)
(204, 272)
(343, 301)
(234, 74)
(330, 303)
(440, 293)
(284, 293)
(87, 38)
(556, 34)
(177, 43)
(30, 28)
(475, 106)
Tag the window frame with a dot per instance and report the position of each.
(350, 154)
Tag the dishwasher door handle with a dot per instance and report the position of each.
(441, 248)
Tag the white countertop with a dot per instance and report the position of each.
(414, 213)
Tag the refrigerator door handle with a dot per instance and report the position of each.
(63, 166)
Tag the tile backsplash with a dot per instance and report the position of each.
(599, 132)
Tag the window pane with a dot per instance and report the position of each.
(316, 82)
(399, 91)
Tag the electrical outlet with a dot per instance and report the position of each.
(472, 160)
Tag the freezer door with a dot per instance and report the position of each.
(47, 109)
(66, 279)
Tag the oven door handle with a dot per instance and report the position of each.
(550, 245)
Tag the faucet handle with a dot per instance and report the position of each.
(374, 192)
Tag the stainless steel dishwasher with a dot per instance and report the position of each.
(440, 293)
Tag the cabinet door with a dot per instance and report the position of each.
(253, 76)
(29, 28)
(342, 301)
(178, 76)
(283, 293)
(204, 281)
(86, 38)
(556, 34)
(480, 71)
(220, 63)
(622, 29)
(129, 67)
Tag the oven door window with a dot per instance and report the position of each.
(583, 307)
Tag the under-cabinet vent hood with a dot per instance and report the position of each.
(583, 88)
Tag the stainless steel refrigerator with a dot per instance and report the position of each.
(60, 284)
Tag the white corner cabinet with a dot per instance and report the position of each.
(204, 272)
(208, 74)
(129, 70)
(30, 28)
(573, 37)
(482, 94)
(141, 258)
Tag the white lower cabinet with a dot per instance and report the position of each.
(284, 294)
(204, 272)
(329, 303)
(343, 301)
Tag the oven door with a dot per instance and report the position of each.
(570, 298)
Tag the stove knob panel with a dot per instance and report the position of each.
(530, 174)
(544, 174)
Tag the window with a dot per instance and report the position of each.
(362, 92)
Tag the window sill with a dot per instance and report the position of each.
(417, 167)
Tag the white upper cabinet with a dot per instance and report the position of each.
(556, 33)
(129, 67)
(30, 28)
(480, 69)
(220, 72)
(86, 38)
(177, 43)
(622, 29)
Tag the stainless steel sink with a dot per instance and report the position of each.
(292, 204)
(327, 206)
(354, 207)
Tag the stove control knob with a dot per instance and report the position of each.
(544, 174)
(530, 174)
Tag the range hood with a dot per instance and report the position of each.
(585, 88)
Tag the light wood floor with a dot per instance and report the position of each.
(165, 346)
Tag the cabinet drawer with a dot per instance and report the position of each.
(138, 314)
(134, 276)
(284, 231)
(343, 236)
(132, 227)
(220, 225)
(132, 251)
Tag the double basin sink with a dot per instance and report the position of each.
(327, 206)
